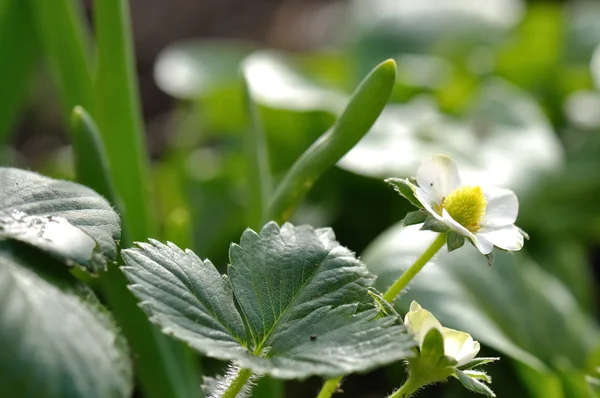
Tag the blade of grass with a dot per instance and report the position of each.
(364, 108)
(258, 174)
(119, 115)
(146, 341)
(19, 48)
(65, 40)
(91, 163)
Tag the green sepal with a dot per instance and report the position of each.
(414, 217)
(478, 375)
(472, 384)
(478, 362)
(379, 304)
(433, 224)
(490, 258)
(432, 349)
(454, 241)
(446, 361)
(404, 188)
(384, 307)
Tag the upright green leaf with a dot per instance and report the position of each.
(91, 162)
(258, 173)
(119, 116)
(19, 47)
(295, 303)
(363, 109)
(57, 341)
(62, 30)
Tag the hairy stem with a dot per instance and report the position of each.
(329, 387)
(408, 388)
(237, 384)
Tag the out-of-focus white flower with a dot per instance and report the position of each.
(457, 345)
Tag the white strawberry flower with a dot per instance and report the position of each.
(443, 352)
(483, 214)
(458, 345)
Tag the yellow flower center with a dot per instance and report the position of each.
(466, 205)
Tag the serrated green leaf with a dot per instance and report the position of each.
(454, 241)
(403, 188)
(54, 235)
(473, 384)
(56, 339)
(31, 203)
(283, 274)
(433, 224)
(301, 305)
(201, 302)
(414, 217)
(432, 348)
(478, 362)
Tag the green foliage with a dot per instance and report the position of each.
(31, 204)
(58, 340)
(19, 44)
(119, 115)
(91, 162)
(292, 295)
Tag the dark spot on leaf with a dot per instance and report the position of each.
(313, 337)
(431, 184)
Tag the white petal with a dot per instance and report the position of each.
(460, 346)
(438, 176)
(420, 322)
(414, 306)
(502, 207)
(427, 202)
(466, 357)
(506, 238)
(483, 244)
(455, 225)
(456, 343)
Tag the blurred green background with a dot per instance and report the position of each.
(508, 88)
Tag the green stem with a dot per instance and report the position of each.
(414, 269)
(237, 383)
(408, 388)
(329, 387)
